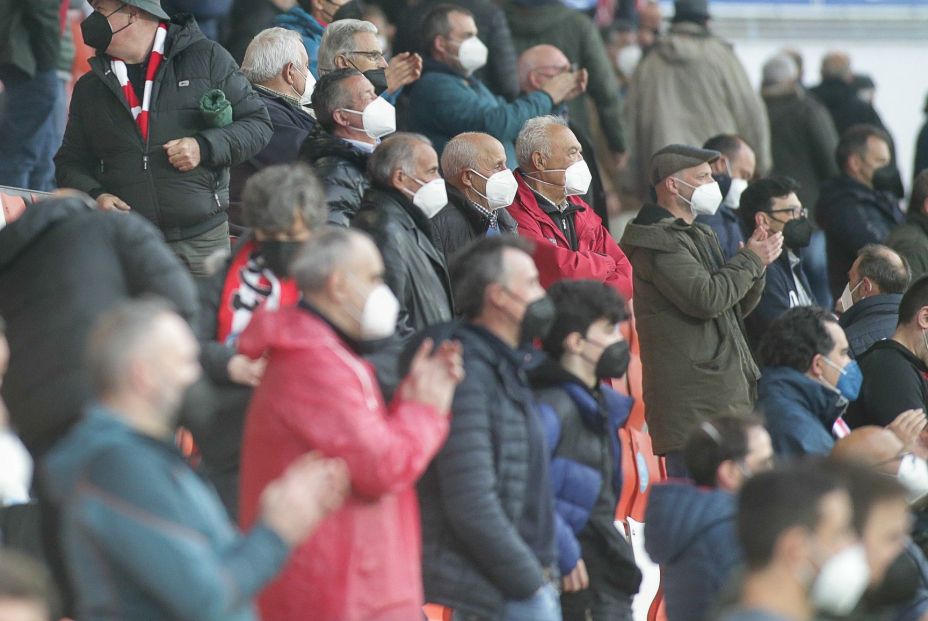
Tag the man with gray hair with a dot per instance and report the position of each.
(282, 206)
(803, 145)
(571, 241)
(353, 44)
(277, 66)
(318, 394)
(480, 187)
(142, 534)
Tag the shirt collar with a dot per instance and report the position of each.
(288, 98)
(363, 147)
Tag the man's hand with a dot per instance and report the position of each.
(183, 153)
(581, 78)
(576, 580)
(562, 87)
(309, 489)
(245, 371)
(433, 378)
(110, 202)
(403, 69)
(766, 245)
(908, 426)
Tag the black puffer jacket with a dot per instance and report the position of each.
(103, 150)
(460, 223)
(341, 168)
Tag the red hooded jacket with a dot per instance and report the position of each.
(598, 257)
(364, 561)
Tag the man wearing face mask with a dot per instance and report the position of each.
(309, 19)
(282, 206)
(141, 139)
(277, 67)
(690, 302)
(318, 394)
(851, 211)
(487, 509)
(772, 204)
(352, 119)
(733, 170)
(480, 187)
(582, 417)
(448, 99)
(570, 240)
(807, 382)
(354, 44)
(869, 306)
(895, 369)
(698, 555)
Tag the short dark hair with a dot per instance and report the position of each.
(854, 141)
(579, 303)
(436, 23)
(867, 488)
(876, 264)
(329, 95)
(914, 299)
(24, 579)
(726, 144)
(795, 337)
(919, 192)
(719, 439)
(477, 266)
(773, 502)
(759, 196)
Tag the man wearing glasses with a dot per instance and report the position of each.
(772, 204)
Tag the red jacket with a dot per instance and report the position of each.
(364, 561)
(598, 257)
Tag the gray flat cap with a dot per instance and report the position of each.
(676, 157)
(149, 6)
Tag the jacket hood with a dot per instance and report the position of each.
(788, 383)
(684, 44)
(298, 19)
(320, 143)
(883, 304)
(682, 513)
(98, 430)
(653, 228)
(19, 234)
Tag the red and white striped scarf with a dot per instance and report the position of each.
(140, 110)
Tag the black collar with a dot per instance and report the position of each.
(355, 346)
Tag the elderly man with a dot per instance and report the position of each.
(277, 66)
(733, 170)
(352, 119)
(142, 533)
(684, 288)
(448, 99)
(480, 187)
(488, 524)
(318, 394)
(282, 206)
(309, 19)
(353, 44)
(168, 159)
(870, 303)
(570, 240)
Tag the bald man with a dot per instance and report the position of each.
(871, 446)
(480, 187)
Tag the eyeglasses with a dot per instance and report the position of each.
(372, 56)
(796, 212)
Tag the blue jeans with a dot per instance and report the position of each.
(544, 605)
(27, 129)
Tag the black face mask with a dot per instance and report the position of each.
(350, 10)
(724, 181)
(377, 77)
(797, 233)
(538, 320)
(97, 32)
(613, 362)
(899, 585)
(278, 255)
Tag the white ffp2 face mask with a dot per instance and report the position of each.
(378, 317)
(472, 54)
(842, 581)
(501, 189)
(706, 199)
(627, 60)
(306, 97)
(737, 188)
(378, 118)
(431, 197)
(846, 301)
(913, 474)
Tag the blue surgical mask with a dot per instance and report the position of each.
(850, 380)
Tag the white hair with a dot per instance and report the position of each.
(269, 52)
(339, 39)
(398, 152)
(534, 137)
(781, 69)
(459, 154)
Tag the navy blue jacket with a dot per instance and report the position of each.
(208, 13)
(727, 226)
(779, 296)
(799, 411)
(871, 320)
(690, 532)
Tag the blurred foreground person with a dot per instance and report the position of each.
(26, 590)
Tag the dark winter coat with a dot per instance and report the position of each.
(474, 493)
(460, 223)
(870, 320)
(800, 412)
(921, 150)
(726, 223)
(208, 13)
(342, 169)
(894, 381)
(852, 216)
(910, 240)
(30, 34)
(103, 150)
(689, 306)
(62, 265)
(780, 295)
(246, 19)
(690, 532)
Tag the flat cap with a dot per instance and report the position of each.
(676, 157)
